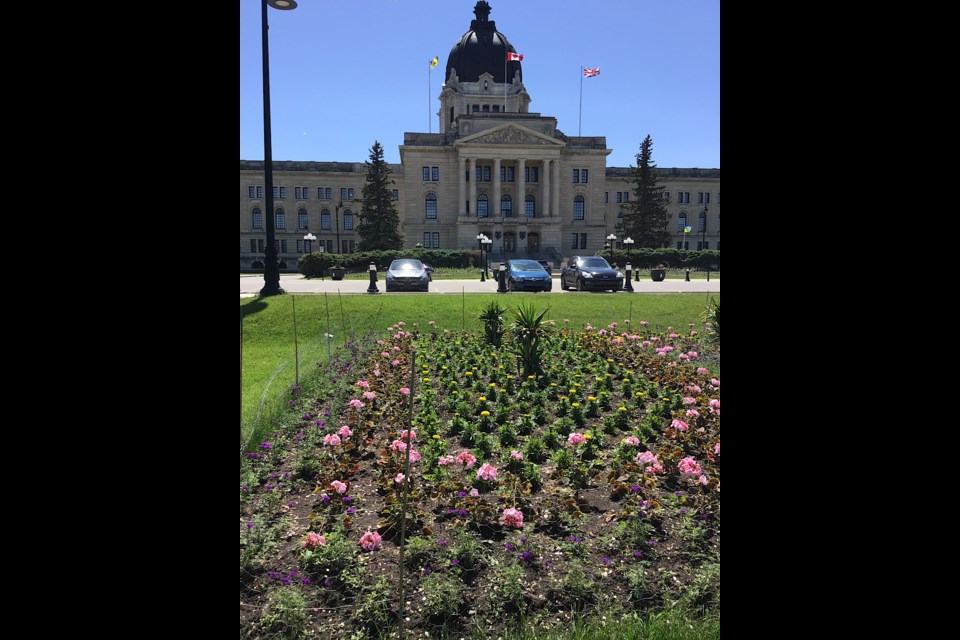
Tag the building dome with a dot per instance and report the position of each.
(482, 49)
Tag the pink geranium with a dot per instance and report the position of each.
(689, 400)
(356, 404)
(398, 445)
(474, 493)
(332, 440)
(399, 478)
(715, 382)
(313, 541)
(647, 458)
(689, 467)
(370, 541)
(412, 434)
(467, 459)
(644, 323)
(716, 449)
(516, 455)
(445, 460)
(702, 371)
(339, 487)
(414, 455)
(576, 438)
(692, 413)
(404, 391)
(394, 363)
(345, 432)
(369, 395)
(512, 518)
(363, 384)
(715, 406)
(487, 472)
(679, 425)
(633, 441)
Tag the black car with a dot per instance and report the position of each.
(590, 272)
(527, 275)
(407, 273)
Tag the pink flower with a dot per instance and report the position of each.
(398, 445)
(404, 391)
(702, 371)
(384, 354)
(414, 455)
(633, 441)
(512, 518)
(716, 449)
(474, 493)
(356, 404)
(370, 541)
(332, 440)
(715, 382)
(602, 332)
(396, 348)
(401, 324)
(345, 432)
(703, 480)
(395, 363)
(644, 323)
(432, 323)
(516, 455)
(576, 438)
(340, 487)
(679, 425)
(313, 541)
(399, 478)
(487, 473)
(445, 460)
(692, 413)
(467, 459)
(684, 356)
(363, 384)
(689, 400)
(412, 434)
(674, 335)
(612, 325)
(689, 467)
(692, 354)
(715, 406)
(647, 458)
(369, 395)
(694, 388)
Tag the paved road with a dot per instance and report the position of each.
(296, 283)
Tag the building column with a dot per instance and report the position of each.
(521, 188)
(555, 200)
(545, 170)
(496, 187)
(473, 187)
(463, 187)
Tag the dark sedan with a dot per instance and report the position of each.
(407, 273)
(590, 272)
(527, 275)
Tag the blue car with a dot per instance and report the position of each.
(527, 275)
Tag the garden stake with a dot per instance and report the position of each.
(296, 350)
(327, 305)
(343, 323)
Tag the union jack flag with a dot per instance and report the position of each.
(589, 73)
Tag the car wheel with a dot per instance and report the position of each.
(580, 284)
(509, 285)
(563, 283)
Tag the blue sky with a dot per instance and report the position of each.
(343, 74)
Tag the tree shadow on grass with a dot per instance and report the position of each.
(254, 306)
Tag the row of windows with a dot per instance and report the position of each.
(701, 246)
(323, 193)
(579, 176)
(427, 243)
(701, 223)
(683, 197)
(302, 219)
(507, 174)
(349, 246)
(476, 108)
(431, 174)
(506, 207)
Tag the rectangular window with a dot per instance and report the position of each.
(297, 193)
(426, 239)
(679, 245)
(511, 176)
(486, 173)
(251, 192)
(666, 196)
(534, 174)
(574, 240)
(701, 224)
(619, 197)
(476, 108)
(503, 174)
(626, 196)
(583, 241)
(299, 246)
(435, 173)
(343, 193)
(260, 245)
(486, 108)
(578, 208)
(576, 176)
(436, 239)
(496, 108)
(479, 173)
(325, 220)
(319, 193)
(683, 197)
(302, 220)
(606, 197)
(328, 193)
(396, 194)
(426, 174)
(350, 193)
(281, 220)
(253, 245)
(351, 245)
(257, 219)
(283, 246)
(583, 176)
(468, 207)
(348, 221)
(431, 207)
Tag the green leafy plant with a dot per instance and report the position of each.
(285, 615)
(712, 318)
(493, 329)
(528, 329)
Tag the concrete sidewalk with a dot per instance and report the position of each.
(296, 283)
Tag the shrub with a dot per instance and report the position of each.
(285, 614)
(314, 265)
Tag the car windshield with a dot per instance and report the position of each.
(526, 265)
(406, 265)
(595, 263)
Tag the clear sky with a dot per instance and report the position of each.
(346, 73)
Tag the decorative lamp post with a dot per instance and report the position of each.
(612, 238)
(271, 266)
(486, 241)
(308, 239)
(628, 243)
(480, 237)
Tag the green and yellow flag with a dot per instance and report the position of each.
(687, 229)
(434, 62)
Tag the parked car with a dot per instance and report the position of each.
(527, 275)
(547, 265)
(429, 270)
(590, 272)
(409, 274)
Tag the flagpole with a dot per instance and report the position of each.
(505, 83)
(580, 120)
(429, 91)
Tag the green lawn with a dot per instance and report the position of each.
(268, 341)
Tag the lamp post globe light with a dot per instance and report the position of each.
(271, 266)
(612, 238)
(308, 239)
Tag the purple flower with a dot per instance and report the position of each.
(293, 574)
(284, 581)
(325, 498)
(634, 488)
(523, 539)
(606, 560)
(351, 511)
(291, 504)
(347, 498)
(683, 512)
(273, 575)
(426, 571)
(637, 554)
(245, 487)
(328, 582)
(442, 543)
(462, 494)
(526, 556)
(508, 547)
(250, 524)
(305, 580)
(455, 561)
(575, 539)
(265, 445)
(273, 475)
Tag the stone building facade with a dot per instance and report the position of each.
(495, 168)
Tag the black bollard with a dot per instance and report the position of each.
(502, 279)
(483, 275)
(688, 275)
(708, 275)
(627, 285)
(636, 275)
(373, 279)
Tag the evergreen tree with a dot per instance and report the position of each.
(379, 226)
(645, 218)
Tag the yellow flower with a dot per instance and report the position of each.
(599, 379)
(426, 379)
(573, 390)
(436, 436)
(500, 367)
(468, 373)
(444, 367)
(553, 384)
(622, 409)
(575, 405)
(482, 399)
(609, 359)
(453, 383)
(457, 343)
(640, 394)
(591, 399)
(609, 375)
(587, 435)
(531, 377)
(493, 385)
(626, 379)
(485, 414)
(454, 393)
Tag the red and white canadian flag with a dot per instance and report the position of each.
(514, 56)
(589, 73)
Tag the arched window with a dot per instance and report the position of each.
(348, 219)
(431, 207)
(530, 207)
(302, 219)
(702, 222)
(257, 219)
(506, 207)
(578, 208)
(325, 219)
(681, 222)
(482, 206)
(281, 219)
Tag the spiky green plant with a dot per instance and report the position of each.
(531, 338)
(492, 318)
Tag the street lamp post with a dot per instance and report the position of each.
(271, 266)
(612, 238)
(309, 238)
(483, 275)
(628, 243)
(486, 241)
